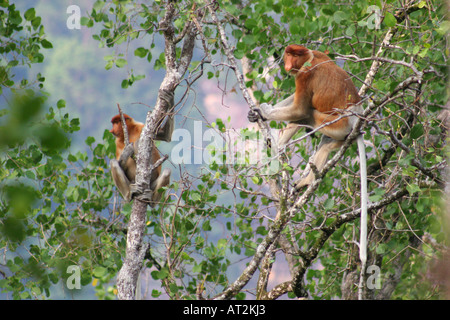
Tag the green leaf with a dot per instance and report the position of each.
(417, 131)
(256, 180)
(109, 65)
(46, 44)
(72, 158)
(36, 22)
(389, 20)
(99, 272)
(125, 84)
(98, 5)
(195, 196)
(160, 275)
(30, 14)
(156, 293)
(250, 23)
(13, 229)
(149, 56)
(339, 16)
(249, 40)
(173, 288)
(206, 226)
(329, 204)
(350, 30)
(413, 188)
(141, 52)
(240, 296)
(36, 290)
(275, 84)
(61, 104)
(238, 54)
(294, 28)
(25, 295)
(120, 63)
(84, 21)
(30, 175)
(90, 140)
(197, 268)
(381, 248)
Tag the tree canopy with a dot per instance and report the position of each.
(214, 235)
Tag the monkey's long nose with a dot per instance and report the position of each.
(287, 67)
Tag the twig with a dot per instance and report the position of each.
(124, 126)
(233, 65)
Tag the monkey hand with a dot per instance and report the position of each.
(138, 192)
(254, 115)
(259, 112)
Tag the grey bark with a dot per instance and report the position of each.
(175, 71)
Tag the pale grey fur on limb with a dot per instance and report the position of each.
(126, 182)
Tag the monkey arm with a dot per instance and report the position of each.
(285, 103)
(118, 169)
(127, 152)
(162, 181)
(265, 109)
(284, 110)
(120, 179)
(165, 133)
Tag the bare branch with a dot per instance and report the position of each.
(237, 71)
(124, 126)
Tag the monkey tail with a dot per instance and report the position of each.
(364, 200)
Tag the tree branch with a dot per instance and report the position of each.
(136, 249)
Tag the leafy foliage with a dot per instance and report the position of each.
(16, 50)
(59, 209)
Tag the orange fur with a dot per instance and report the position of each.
(321, 86)
(134, 129)
(322, 92)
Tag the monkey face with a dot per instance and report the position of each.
(291, 62)
(295, 56)
(117, 129)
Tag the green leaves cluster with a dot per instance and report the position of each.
(58, 207)
(406, 160)
(16, 49)
(117, 23)
(47, 195)
(400, 153)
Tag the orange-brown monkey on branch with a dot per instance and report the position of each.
(123, 168)
(324, 93)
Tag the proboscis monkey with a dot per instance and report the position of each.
(324, 93)
(124, 170)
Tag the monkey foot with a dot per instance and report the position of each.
(137, 192)
(298, 188)
(300, 185)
